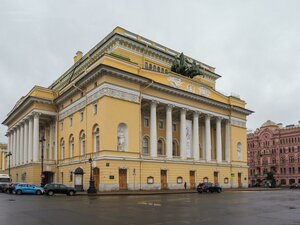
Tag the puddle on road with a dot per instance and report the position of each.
(11, 200)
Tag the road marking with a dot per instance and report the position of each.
(149, 203)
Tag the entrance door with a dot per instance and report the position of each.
(48, 177)
(122, 179)
(96, 176)
(240, 180)
(192, 180)
(216, 178)
(78, 179)
(163, 179)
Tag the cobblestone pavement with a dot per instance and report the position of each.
(280, 207)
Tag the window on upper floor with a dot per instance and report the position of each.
(146, 122)
(81, 116)
(95, 109)
(71, 121)
(145, 145)
(174, 127)
(161, 124)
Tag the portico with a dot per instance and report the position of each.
(202, 136)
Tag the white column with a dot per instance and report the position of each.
(153, 130)
(50, 142)
(207, 138)
(56, 138)
(203, 142)
(21, 148)
(25, 141)
(18, 146)
(8, 146)
(183, 133)
(219, 140)
(14, 147)
(196, 135)
(30, 139)
(3, 161)
(36, 134)
(227, 141)
(169, 131)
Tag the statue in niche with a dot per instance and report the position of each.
(121, 139)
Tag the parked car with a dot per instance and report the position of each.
(208, 187)
(51, 189)
(295, 186)
(28, 189)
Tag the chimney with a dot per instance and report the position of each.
(78, 56)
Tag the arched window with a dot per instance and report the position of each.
(146, 65)
(239, 151)
(96, 137)
(122, 137)
(154, 68)
(175, 150)
(158, 69)
(150, 66)
(62, 149)
(71, 145)
(161, 147)
(145, 145)
(82, 142)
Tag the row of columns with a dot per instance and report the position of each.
(24, 141)
(206, 133)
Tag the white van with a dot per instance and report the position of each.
(4, 181)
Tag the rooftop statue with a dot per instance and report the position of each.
(181, 66)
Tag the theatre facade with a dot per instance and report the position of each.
(137, 114)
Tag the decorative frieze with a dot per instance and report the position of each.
(103, 90)
(238, 122)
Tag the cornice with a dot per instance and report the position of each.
(25, 104)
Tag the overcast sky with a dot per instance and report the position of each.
(254, 45)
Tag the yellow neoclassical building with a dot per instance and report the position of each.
(147, 116)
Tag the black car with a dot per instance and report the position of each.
(51, 189)
(295, 186)
(208, 187)
(10, 188)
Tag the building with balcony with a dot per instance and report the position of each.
(142, 125)
(274, 148)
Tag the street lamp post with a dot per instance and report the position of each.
(9, 155)
(92, 189)
(42, 162)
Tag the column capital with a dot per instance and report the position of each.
(196, 113)
(36, 114)
(209, 116)
(183, 110)
(170, 106)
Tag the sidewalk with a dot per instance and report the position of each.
(161, 192)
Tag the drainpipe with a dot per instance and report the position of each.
(140, 154)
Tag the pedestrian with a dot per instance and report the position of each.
(185, 185)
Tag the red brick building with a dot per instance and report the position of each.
(273, 147)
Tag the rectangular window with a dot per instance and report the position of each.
(146, 122)
(161, 124)
(61, 125)
(95, 109)
(71, 121)
(174, 128)
(81, 116)
(97, 143)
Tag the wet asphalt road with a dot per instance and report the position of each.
(232, 208)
